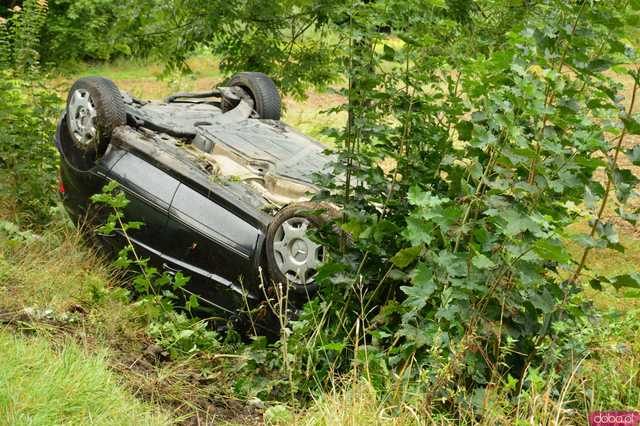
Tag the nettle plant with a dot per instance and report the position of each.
(464, 167)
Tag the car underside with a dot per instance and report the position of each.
(220, 183)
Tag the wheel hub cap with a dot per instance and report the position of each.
(297, 257)
(82, 117)
(299, 250)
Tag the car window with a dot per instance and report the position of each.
(146, 181)
(213, 220)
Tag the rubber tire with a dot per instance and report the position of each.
(110, 113)
(297, 291)
(263, 91)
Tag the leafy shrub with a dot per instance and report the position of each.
(60, 32)
(20, 35)
(28, 109)
(456, 277)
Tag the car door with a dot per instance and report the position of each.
(150, 191)
(215, 247)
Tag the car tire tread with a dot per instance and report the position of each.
(111, 112)
(264, 92)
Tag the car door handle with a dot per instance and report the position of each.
(169, 270)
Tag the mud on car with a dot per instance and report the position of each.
(220, 183)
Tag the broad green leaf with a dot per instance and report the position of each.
(448, 312)
(420, 198)
(404, 257)
(388, 53)
(634, 154)
(516, 223)
(608, 231)
(632, 125)
(329, 269)
(587, 241)
(543, 301)
(454, 264)
(422, 288)
(180, 280)
(553, 250)
(464, 129)
(481, 261)
(422, 275)
(625, 181)
(192, 303)
(599, 65)
(353, 227)
(631, 280)
(596, 284)
(418, 231)
(631, 217)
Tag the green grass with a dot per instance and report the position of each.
(40, 385)
(145, 79)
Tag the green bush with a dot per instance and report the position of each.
(456, 277)
(28, 157)
(28, 110)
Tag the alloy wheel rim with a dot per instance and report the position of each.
(297, 257)
(82, 117)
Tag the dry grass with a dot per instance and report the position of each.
(357, 404)
(58, 277)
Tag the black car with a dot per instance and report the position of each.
(220, 183)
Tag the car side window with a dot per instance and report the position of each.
(213, 221)
(145, 181)
(150, 191)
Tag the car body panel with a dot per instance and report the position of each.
(276, 147)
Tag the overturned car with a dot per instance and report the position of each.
(220, 183)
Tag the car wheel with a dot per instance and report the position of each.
(292, 257)
(263, 91)
(94, 109)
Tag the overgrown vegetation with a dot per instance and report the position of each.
(477, 134)
(28, 110)
(494, 155)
